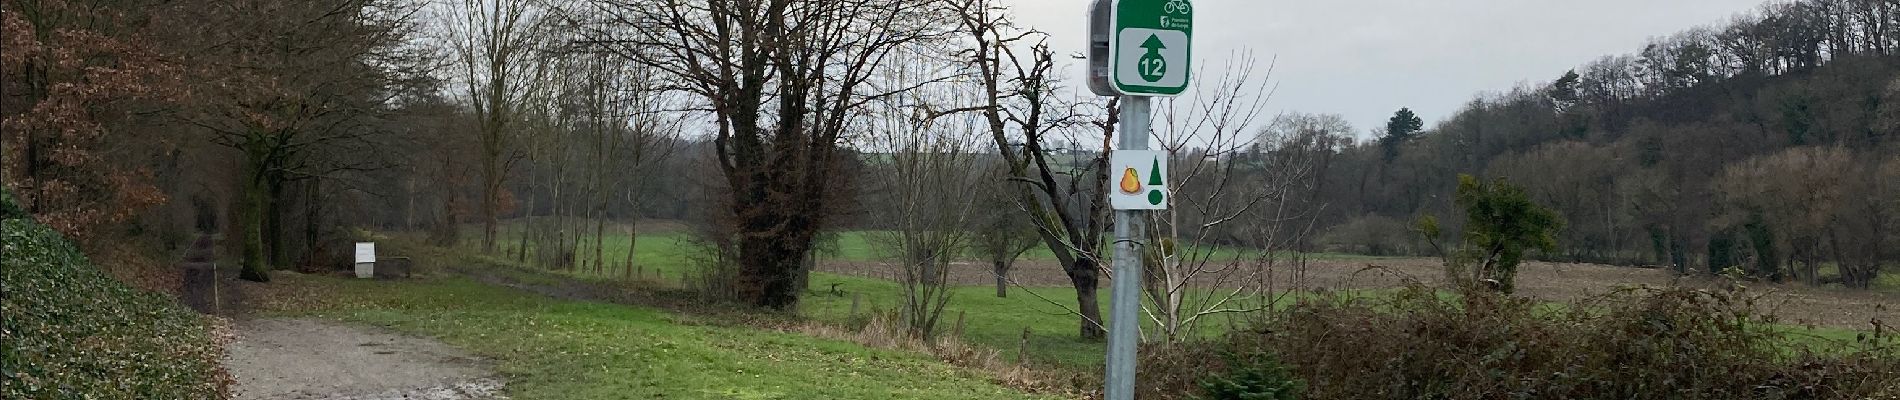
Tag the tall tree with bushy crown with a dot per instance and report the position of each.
(1402, 127)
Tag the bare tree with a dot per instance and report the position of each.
(784, 80)
(1002, 234)
(1215, 156)
(932, 165)
(1063, 199)
(648, 139)
(549, 122)
(495, 43)
(631, 122)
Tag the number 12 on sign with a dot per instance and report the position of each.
(1149, 47)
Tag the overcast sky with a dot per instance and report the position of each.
(1366, 58)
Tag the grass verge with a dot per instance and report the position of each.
(549, 348)
(996, 323)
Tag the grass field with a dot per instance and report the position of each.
(988, 320)
(556, 349)
(991, 321)
(671, 252)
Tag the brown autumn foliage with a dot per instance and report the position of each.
(72, 76)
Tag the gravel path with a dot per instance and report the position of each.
(285, 359)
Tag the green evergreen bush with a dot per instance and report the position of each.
(1255, 376)
(73, 332)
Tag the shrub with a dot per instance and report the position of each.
(1255, 376)
(1373, 235)
(1674, 343)
(9, 208)
(72, 332)
(1501, 225)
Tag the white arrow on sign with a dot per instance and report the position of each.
(1147, 58)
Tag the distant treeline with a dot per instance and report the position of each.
(1770, 145)
(1766, 145)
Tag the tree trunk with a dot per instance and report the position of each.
(769, 266)
(600, 229)
(409, 204)
(492, 143)
(36, 92)
(490, 189)
(633, 237)
(527, 228)
(274, 222)
(1002, 278)
(804, 272)
(256, 268)
(313, 215)
(1085, 277)
(38, 192)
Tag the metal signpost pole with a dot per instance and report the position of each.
(1124, 330)
(1138, 49)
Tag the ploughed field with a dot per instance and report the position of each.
(1794, 303)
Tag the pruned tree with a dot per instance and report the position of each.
(784, 80)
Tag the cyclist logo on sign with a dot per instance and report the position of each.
(1177, 7)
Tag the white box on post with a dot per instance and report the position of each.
(365, 260)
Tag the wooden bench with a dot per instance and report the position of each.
(394, 267)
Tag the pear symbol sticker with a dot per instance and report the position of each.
(1131, 182)
(1142, 183)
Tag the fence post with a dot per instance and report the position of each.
(959, 328)
(1022, 350)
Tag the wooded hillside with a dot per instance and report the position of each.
(1771, 144)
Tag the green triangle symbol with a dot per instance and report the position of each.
(1154, 174)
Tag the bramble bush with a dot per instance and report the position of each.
(1644, 343)
(72, 332)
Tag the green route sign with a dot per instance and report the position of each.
(1150, 44)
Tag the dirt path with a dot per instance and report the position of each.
(285, 359)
